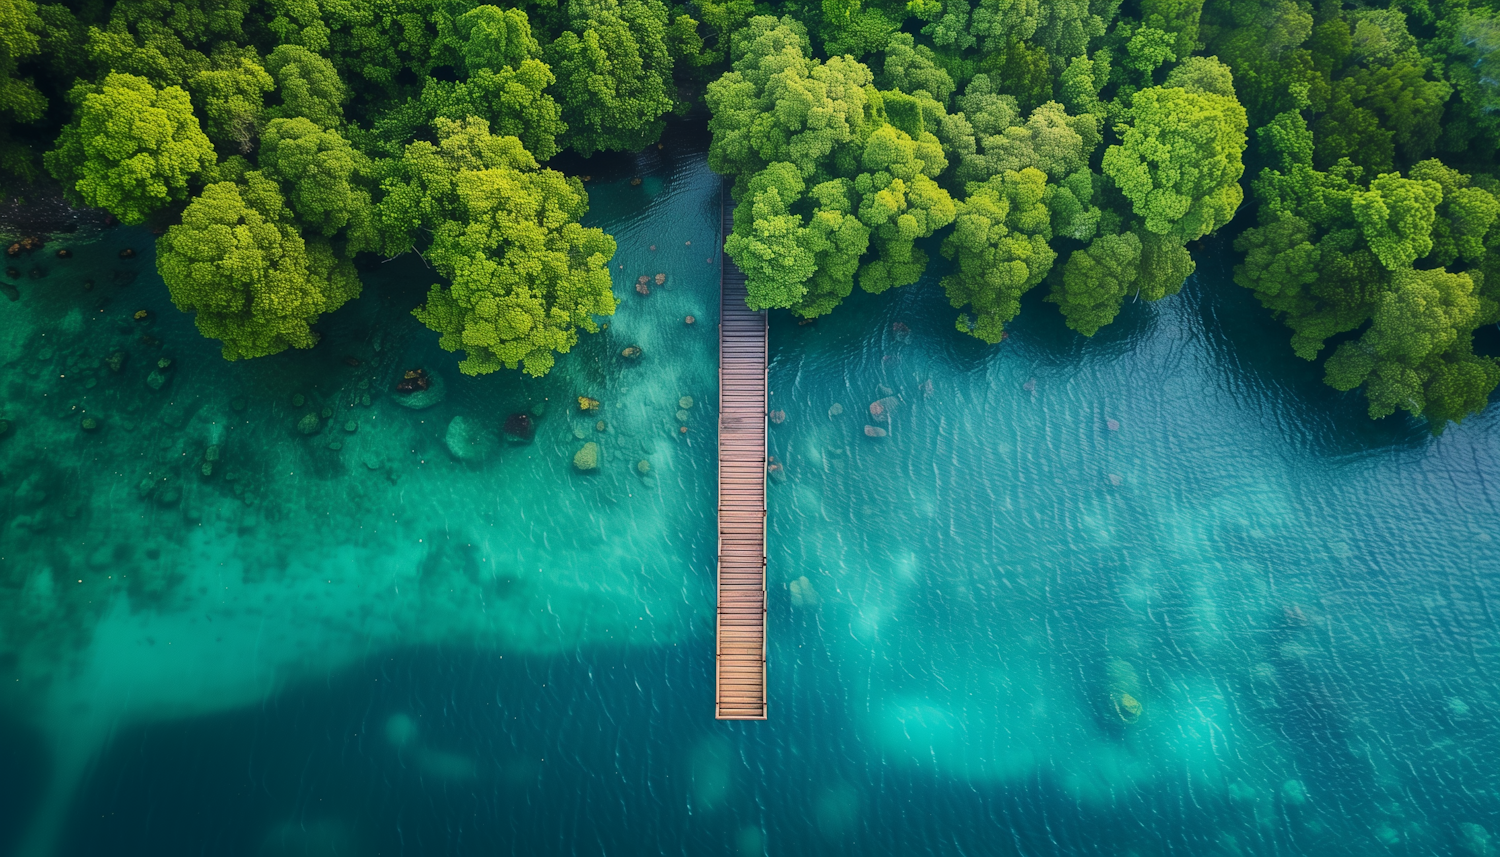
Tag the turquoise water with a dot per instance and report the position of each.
(1155, 593)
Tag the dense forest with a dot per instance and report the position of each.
(1081, 146)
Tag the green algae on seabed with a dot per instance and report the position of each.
(203, 550)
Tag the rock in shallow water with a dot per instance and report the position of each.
(421, 399)
(520, 428)
(468, 439)
(309, 424)
(587, 459)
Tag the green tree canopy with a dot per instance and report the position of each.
(524, 276)
(239, 263)
(614, 74)
(506, 81)
(131, 148)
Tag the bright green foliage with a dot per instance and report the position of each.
(1148, 49)
(1332, 256)
(1286, 141)
(779, 105)
(19, 25)
(370, 43)
(859, 178)
(723, 20)
(1466, 218)
(614, 74)
(768, 244)
(316, 169)
(20, 101)
(1177, 17)
(1179, 161)
(1066, 26)
(307, 86)
(231, 101)
(523, 275)
(131, 147)
(1202, 74)
(506, 81)
(848, 28)
(1416, 354)
(1396, 216)
(808, 266)
(239, 263)
(999, 246)
(1096, 280)
(910, 68)
(900, 203)
(989, 138)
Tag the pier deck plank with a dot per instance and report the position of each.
(740, 656)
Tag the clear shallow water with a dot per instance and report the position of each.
(382, 650)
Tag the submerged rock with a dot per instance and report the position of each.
(10, 291)
(874, 431)
(309, 424)
(778, 417)
(631, 352)
(685, 402)
(298, 400)
(682, 416)
(880, 409)
(587, 404)
(835, 410)
(803, 593)
(519, 427)
(643, 467)
(1295, 794)
(587, 458)
(468, 439)
(661, 278)
(419, 399)
(157, 379)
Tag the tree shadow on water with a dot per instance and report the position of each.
(1251, 350)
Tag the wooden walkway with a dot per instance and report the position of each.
(740, 658)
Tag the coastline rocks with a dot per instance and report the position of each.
(587, 458)
(420, 399)
(467, 439)
(310, 424)
(519, 428)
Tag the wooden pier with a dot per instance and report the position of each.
(740, 656)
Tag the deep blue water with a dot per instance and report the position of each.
(380, 649)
